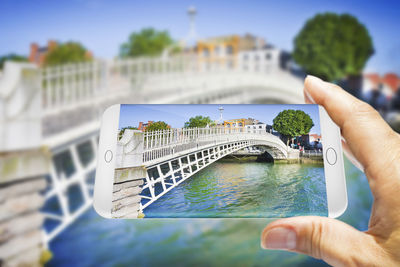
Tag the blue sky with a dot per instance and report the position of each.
(177, 115)
(103, 25)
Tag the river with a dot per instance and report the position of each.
(223, 186)
(246, 189)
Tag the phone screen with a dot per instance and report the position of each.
(219, 161)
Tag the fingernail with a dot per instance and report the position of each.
(316, 83)
(314, 78)
(309, 96)
(279, 238)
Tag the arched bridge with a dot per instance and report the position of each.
(62, 106)
(150, 164)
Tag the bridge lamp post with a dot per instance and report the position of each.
(221, 110)
(192, 12)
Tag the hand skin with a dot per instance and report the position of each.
(377, 148)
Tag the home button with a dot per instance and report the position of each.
(108, 156)
(331, 156)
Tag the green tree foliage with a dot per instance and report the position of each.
(70, 52)
(158, 125)
(292, 123)
(122, 131)
(11, 57)
(199, 122)
(147, 42)
(333, 46)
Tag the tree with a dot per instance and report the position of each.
(199, 122)
(122, 131)
(70, 52)
(158, 125)
(291, 123)
(333, 46)
(11, 57)
(147, 42)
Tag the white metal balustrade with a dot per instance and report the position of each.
(190, 149)
(62, 106)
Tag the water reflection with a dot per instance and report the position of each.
(93, 240)
(249, 189)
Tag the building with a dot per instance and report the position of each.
(142, 126)
(37, 54)
(315, 140)
(224, 50)
(234, 123)
(258, 126)
(388, 84)
(309, 141)
(267, 59)
(240, 122)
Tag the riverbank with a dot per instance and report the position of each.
(268, 159)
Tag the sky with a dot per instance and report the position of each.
(177, 115)
(102, 26)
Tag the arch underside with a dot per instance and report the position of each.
(166, 175)
(244, 95)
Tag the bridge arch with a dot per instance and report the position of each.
(67, 111)
(172, 156)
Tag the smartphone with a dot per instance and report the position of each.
(210, 161)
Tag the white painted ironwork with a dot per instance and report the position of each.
(62, 105)
(57, 192)
(197, 147)
(166, 143)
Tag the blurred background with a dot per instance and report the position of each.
(63, 62)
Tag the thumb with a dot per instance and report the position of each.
(323, 238)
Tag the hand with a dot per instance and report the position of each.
(377, 148)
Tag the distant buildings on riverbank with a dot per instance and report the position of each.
(382, 92)
(388, 84)
(37, 54)
(143, 125)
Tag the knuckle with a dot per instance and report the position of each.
(335, 87)
(317, 232)
(362, 110)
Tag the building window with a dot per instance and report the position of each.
(245, 57)
(216, 50)
(256, 57)
(229, 50)
(267, 56)
(206, 52)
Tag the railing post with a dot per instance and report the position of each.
(24, 166)
(20, 107)
(130, 149)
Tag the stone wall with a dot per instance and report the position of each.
(22, 178)
(126, 192)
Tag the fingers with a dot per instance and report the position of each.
(350, 155)
(323, 238)
(372, 142)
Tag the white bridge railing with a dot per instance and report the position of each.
(71, 84)
(62, 105)
(155, 145)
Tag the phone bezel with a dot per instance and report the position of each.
(103, 186)
(334, 174)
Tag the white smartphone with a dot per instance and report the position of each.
(205, 161)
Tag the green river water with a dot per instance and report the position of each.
(94, 241)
